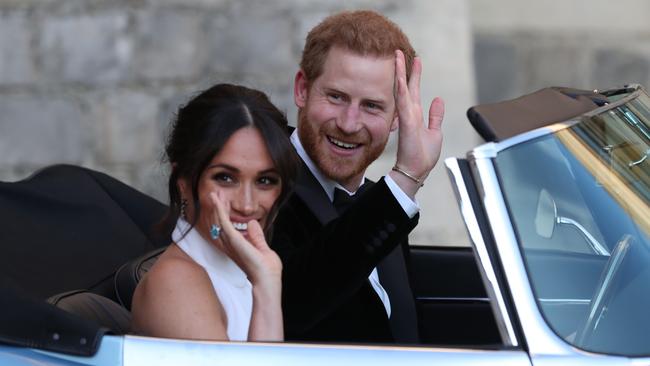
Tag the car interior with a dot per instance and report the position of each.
(96, 237)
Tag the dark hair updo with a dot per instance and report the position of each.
(204, 125)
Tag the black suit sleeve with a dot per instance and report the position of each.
(325, 265)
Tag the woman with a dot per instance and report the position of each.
(232, 165)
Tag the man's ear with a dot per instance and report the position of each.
(300, 89)
(395, 123)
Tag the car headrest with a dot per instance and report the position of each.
(131, 273)
(96, 308)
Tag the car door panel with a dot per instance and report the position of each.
(453, 307)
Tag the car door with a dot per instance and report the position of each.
(154, 351)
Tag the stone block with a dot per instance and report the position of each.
(553, 61)
(256, 41)
(121, 172)
(305, 21)
(169, 44)
(589, 16)
(16, 173)
(126, 127)
(152, 179)
(25, 4)
(39, 130)
(616, 67)
(16, 56)
(305, 7)
(495, 61)
(170, 99)
(206, 4)
(92, 48)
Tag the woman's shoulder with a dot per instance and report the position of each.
(174, 270)
(160, 303)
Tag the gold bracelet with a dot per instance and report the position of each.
(409, 176)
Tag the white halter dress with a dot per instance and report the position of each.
(230, 283)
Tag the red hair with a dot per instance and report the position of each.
(363, 31)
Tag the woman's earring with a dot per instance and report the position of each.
(184, 209)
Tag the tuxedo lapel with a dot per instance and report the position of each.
(312, 193)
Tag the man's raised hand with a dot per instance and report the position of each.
(418, 145)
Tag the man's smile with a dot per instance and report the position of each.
(342, 144)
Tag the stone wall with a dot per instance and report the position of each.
(95, 83)
(522, 46)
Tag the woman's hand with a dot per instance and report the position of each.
(262, 266)
(260, 263)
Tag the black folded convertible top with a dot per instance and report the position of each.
(499, 121)
(67, 228)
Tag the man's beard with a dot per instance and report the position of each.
(340, 169)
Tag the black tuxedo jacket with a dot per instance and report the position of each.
(327, 260)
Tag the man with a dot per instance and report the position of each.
(344, 274)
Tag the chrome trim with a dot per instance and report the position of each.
(455, 299)
(487, 151)
(493, 289)
(614, 262)
(595, 245)
(491, 149)
(540, 338)
(632, 164)
(565, 301)
(639, 361)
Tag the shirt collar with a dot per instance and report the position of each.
(328, 184)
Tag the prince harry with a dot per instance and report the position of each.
(343, 240)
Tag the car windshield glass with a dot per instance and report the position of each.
(579, 201)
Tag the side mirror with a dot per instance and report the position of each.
(546, 215)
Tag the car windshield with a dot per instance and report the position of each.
(579, 201)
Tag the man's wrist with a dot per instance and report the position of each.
(408, 175)
(407, 187)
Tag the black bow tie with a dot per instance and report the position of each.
(342, 200)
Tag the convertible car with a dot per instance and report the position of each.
(556, 205)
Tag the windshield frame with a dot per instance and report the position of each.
(540, 338)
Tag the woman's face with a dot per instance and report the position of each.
(245, 176)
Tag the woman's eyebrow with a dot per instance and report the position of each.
(269, 171)
(224, 166)
(272, 170)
